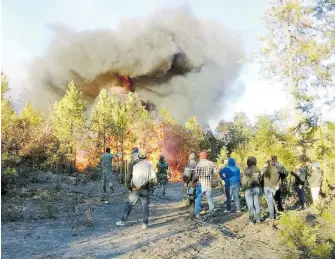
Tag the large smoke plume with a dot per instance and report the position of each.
(173, 60)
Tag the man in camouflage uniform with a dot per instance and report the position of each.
(106, 168)
(162, 173)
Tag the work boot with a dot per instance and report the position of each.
(144, 226)
(120, 223)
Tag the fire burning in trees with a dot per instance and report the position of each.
(172, 60)
(81, 161)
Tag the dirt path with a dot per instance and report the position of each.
(74, 233)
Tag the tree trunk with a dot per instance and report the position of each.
(104, 139)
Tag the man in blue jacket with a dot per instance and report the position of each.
(232, 177)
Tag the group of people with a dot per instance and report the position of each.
(198, 181)
(139, 180)
(271, 181)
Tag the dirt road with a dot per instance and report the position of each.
(86, 229)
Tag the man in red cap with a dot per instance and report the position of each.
(204, 174)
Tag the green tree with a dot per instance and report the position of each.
(10, 138)
(295, 53)
(236, 135)
(196, 134)
(102, 121)
(68, 122)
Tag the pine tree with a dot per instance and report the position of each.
(30, 116)
(193, 126)
(295, 53)
(68, 121)
(102, 121)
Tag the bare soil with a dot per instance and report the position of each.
(79, 222)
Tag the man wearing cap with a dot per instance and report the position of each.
(140, 179)
(204, 175)
(162, 173)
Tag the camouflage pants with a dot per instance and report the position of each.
(107, 181)
(162, 181)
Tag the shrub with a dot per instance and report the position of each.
(302, 236)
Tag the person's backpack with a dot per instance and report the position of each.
(255, 180)
(282, 172)
(302, 175)
(188, 173)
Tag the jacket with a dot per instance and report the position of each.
(282, 170)
(162, 167)
(189, 173)
(230, 173)
(143, 175)
(315, 179)
(106, 163)
(253, 177)
(129, 174)
(299, 176)
(271, 177)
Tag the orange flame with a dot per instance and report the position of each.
(126, 83)
(81, 161)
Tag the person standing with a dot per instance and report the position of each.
(204, 176)
(134, 160)
(162, 174)
(280, 188)
(140, 179)
(251, 185)
(190, 182)
(315, 181)
(270, 181)
(106, 169)
(299, 182)
(232, 177)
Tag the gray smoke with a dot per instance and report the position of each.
(173, 59)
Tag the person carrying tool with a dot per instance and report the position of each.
(140, 179)
(190, 182)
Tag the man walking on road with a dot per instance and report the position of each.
(106, 168)
(139, 181)
(162, 174)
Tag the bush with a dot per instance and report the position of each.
(93, 173)
(302, 236)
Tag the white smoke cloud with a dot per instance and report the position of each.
(174, 59)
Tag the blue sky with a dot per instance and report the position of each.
(25, 35)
